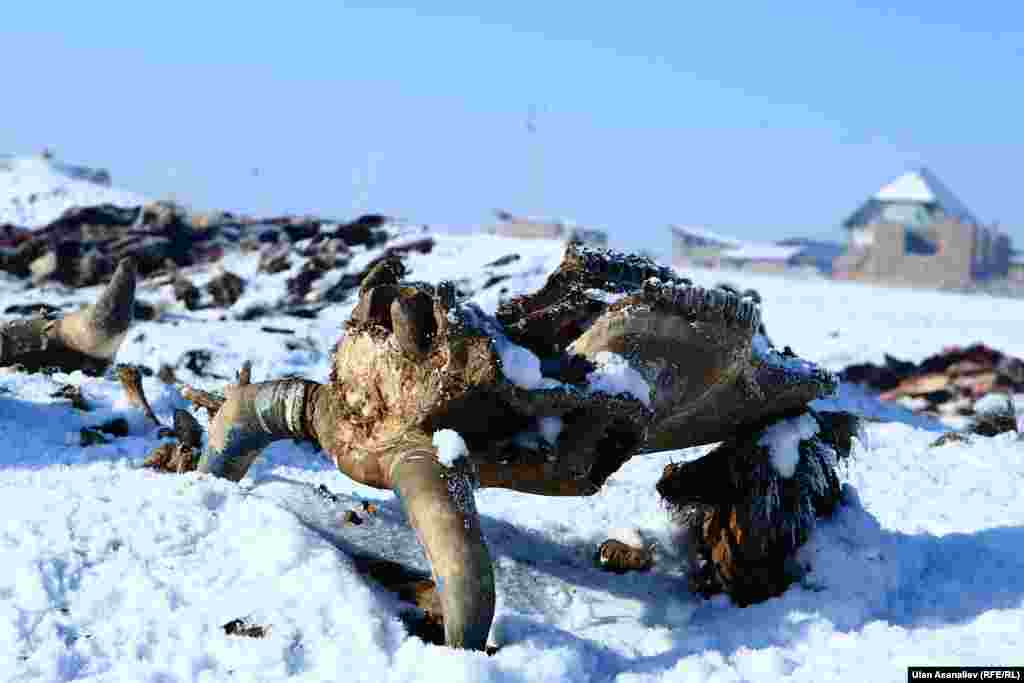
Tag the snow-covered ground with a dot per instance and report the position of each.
(110, 572)
(35, 191)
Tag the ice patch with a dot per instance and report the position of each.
(783, 439)
(615, 376)
(450, 446)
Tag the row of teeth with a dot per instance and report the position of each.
(679, 292)
(626, 267)
(707, 303)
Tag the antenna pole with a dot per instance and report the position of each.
(535, 162)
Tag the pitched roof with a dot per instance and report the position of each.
(919, 186)
(922, 185)
(706, 235)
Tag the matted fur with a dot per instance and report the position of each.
(743, 521)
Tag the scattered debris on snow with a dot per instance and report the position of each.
(950, 385)
(115, 573)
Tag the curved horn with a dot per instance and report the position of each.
(253, 417)
(86, 340)
(437, 499)
(98, 330)
(439, 503)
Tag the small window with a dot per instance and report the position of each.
(919, 244)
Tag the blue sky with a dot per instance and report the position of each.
(761, 120)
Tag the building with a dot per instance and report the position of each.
(764, 258)
(817, 254)
(522, 227)
(1015, 270)
(693, 246)
(914, 231)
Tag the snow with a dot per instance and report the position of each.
(922, 185)
(606, 297)
(762, 346)
(550, 428)
(909, 186)
(614, 375)
(782, 440)
(35, 191)
(519, 365)
(628, 535)
(450, 446)
(116, 573)
(542, 434)
(994, 404)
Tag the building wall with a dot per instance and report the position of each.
(886, 259)
(1001, 264)
(589, 236)
(771, 267)
(690, 251)
(993, 254)
(528, 230)
(697, 256)
(983, 247)
(525, 229)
